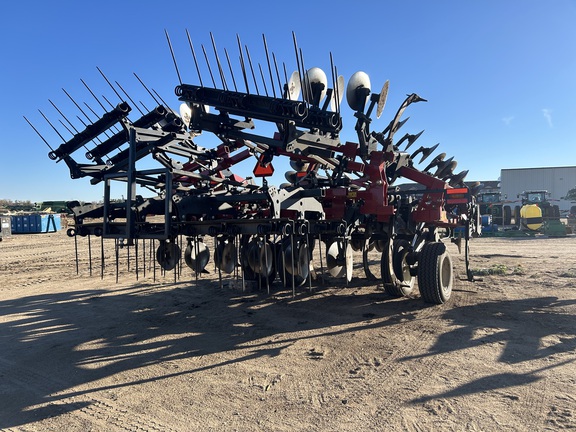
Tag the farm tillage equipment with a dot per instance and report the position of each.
(339, 196)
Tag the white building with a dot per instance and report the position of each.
(556, 180)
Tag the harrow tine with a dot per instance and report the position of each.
(52, 126)
(252, 69)
(266, 265)
(242, 64)
(63, 116)
(107, 101)
(269, 68)
(146, 88)
(116, 255)
(307, 86)
(277, 74)
(292, 264)
(67, 128)
(76, 254)
(231, 71)
(129, 98)
(220, 70)
(76, 104)
(301, 70)
(309, 272)
(110, 85)
(38, 133)
(208, 65)
(194, 57)
(153, 260)
(334, 85)
(263, 79)
(102, 257)
(85, 126)
(173, 56)
(89, 255)
(144, 258)
(92, 93)
(161, 100)
(94, 112)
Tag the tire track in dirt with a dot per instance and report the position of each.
(533, 401)
(386, 379)
(367, 375)
(418, 372)
(395, 375)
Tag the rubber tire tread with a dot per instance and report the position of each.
(429, 267)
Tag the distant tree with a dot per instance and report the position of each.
(17, 205)
(571, 195)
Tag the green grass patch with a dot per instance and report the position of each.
(495, 269)
(518, 270)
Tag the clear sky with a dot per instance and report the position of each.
(499, 75)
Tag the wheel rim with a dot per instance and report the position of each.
(405, 268)
(445, 274)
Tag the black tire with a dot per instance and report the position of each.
(555, 211)
(435, 273)
(401, 283)
(507, 215)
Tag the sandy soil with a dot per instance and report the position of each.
(166, 352)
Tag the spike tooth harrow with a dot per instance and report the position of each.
(340, 196)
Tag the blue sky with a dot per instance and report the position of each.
(499, 76)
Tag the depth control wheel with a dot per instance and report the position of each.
(435, 273)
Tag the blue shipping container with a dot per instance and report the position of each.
(36, 223)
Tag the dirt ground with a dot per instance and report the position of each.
(162, 352)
